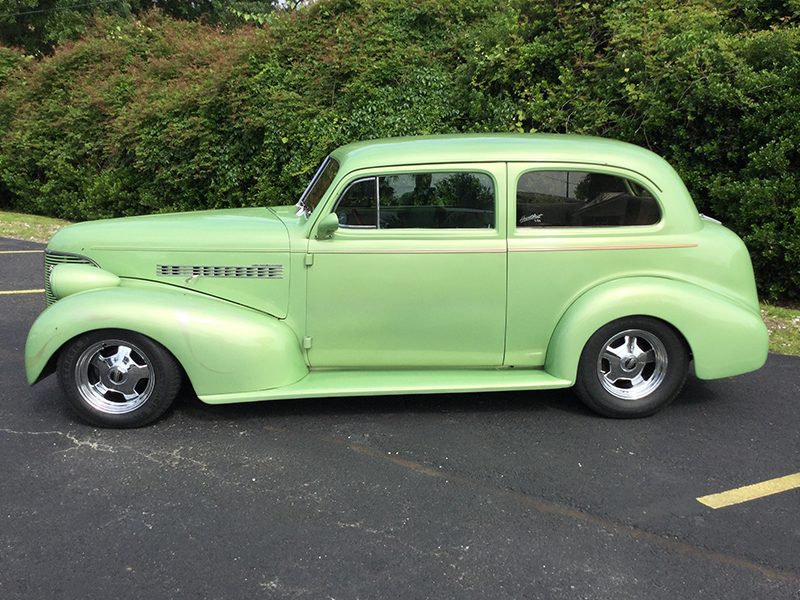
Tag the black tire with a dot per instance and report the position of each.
(117, 378)
(632, 368)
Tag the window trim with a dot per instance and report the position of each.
(499, 194)
(377, 202)
(303, 206)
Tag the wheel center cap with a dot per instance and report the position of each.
(629, 363)
(117, 376)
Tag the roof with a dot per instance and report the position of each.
(496, 147)
(526, 148)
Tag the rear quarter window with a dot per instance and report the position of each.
(583, 199)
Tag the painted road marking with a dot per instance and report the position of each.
(667, 542)
(23, 292)
(20, 251)
(751, 492)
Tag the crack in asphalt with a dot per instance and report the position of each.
(174, 459)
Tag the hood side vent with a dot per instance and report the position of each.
(253, 271)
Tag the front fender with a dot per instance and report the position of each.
(725, 337)
(223, 347)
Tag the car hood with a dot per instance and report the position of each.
(240, 229)
(240, 255)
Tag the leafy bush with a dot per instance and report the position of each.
(157, 115)
(38, 26)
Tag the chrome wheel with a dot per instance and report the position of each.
(118, 378)
(632, 367)
(114, 377)
(632, 364)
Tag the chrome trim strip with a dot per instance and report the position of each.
(68, 257)
(378, 202)
(301, 203)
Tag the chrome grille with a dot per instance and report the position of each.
(256, 271)
(51, 259)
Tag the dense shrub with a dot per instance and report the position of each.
(714, 87)
(38, 26)
(157, 115)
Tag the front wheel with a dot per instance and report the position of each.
(632, 367)
(116, 378)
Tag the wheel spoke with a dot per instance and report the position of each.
(135, 374)
(100, 389)
(101, 363)
(637, 381)
(615, 371)
(619, 352)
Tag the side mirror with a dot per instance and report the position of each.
(327, 226)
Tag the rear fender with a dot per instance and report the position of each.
(724, 337)
(223, 347)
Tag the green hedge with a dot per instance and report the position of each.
(156, 115)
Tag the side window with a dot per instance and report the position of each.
(419, 201)
(582, 199)
(358, 206)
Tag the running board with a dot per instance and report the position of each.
(319, 384)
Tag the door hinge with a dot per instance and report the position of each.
(309, 260)
(307, 342)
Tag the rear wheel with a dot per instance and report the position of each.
(632, 367)
(116, 378)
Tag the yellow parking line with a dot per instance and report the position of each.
(23, 292)
(751, 492)
(20, 251)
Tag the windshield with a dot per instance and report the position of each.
(319, 185)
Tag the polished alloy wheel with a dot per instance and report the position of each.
(114, 377)
(632, 364)
(118, 378)
(632, 367)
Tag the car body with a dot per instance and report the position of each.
(413, 265)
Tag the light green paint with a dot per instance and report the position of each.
(725, 338)
(393, 311)
(409, 298)
(369, 382)
(223, 347)
(66, 280)
(134, 247)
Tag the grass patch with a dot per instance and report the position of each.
(784, 329)
(29, 227)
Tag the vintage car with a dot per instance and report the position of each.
(466, 263)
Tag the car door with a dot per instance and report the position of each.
(415, 276)
(571, 227)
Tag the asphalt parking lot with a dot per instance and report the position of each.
(496, 496)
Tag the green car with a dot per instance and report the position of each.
(465, 263)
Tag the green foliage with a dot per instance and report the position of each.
(151, 114)
(37, 26)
